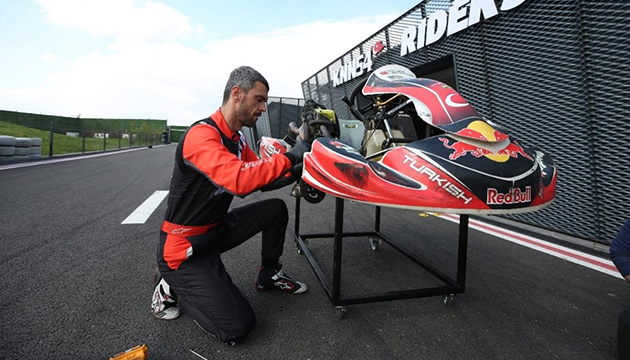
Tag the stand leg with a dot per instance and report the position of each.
(336, 293)
(297, 216)
(462, 251)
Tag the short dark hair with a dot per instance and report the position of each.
(243, 77)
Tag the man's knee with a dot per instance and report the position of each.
(243, 325)
(238, 327)
(279, 209)
(227, 329)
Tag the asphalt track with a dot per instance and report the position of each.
(75, 283)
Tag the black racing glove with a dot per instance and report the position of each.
(296, 174)
(296, 154)
(296, 171)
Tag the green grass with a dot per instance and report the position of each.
(63, 144)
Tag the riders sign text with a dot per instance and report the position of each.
(461, 15)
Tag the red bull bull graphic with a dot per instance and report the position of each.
(461, 148)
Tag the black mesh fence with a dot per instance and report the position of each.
(554, 73)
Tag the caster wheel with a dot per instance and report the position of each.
(448, 299)
(375, 243)
(311, 194)
(340, 311)
(299, 249)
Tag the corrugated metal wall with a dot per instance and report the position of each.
(555, 74)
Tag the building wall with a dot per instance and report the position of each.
(556, 75)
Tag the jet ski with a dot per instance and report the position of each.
(424, 175)
(471, 167)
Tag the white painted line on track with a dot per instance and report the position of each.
(574, 256)
(53, 161)
(142, 213)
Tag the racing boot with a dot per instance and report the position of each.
(270, 278)
(164, 303)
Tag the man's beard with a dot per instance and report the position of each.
(244, 117)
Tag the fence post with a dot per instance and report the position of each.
(104, 139)
(83, 146)
(50, 149)
(119, 138)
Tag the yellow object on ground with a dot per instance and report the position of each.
(140, 352)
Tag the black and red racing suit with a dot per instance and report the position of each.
(212, 165)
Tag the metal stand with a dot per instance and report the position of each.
(449, 289)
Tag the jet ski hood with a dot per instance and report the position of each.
(436, 103)
(441, 173)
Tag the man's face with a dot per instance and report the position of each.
(252, 105)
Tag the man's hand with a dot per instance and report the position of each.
(296, 154)
(296, 171)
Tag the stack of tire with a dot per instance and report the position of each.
(22, 149)
(36, 149)
(14, 149)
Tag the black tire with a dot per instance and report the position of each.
(311, 194)
(22, 151)
(36, 142)
(36, 150)
(7, 140)
(7, 150)
(6, 159)
(22, 142)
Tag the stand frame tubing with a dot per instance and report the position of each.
(450, 287)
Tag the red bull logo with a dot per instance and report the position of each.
(513, 196)
(513, 150)
(477, 129)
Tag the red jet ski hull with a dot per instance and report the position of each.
(441, 174)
